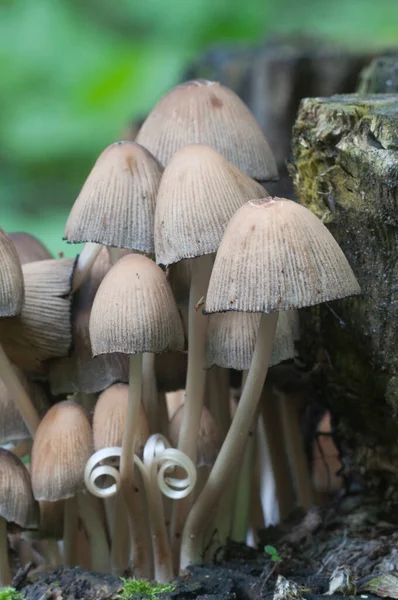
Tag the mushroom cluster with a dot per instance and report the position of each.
(140, 450)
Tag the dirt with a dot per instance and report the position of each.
(359, 535)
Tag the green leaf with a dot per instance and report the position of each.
(270, 550)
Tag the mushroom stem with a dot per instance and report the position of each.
(22, 401)
(71, 524)
(5, 571)
(84, 262)
(195, 384)
(119, 543)
(149, 392)
(22, 448)
(241, 517)
(295, 450)
(94, 526)
(233, 444)
(131, 491)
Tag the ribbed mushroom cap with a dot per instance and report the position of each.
(116, 205)
(277, 255)
(44, 329)
(232, 338)
(80, 372)
(11, 279)
(61, 448)
(206, 112)
(134, 310)
(199, 192)
(17, 504)
(29, 248)
(110, 416)
(209, 439)
(12, 426)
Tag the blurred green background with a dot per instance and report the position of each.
(74, 73)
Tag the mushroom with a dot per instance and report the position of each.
(206, 112)
(17, 504)
(134, 312)
(29, 248)
(11, 303)
(275, 255)
(116, 205)
(43, 329)
(198, 194)
(61, 449)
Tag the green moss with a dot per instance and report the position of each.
(10, 593)
(144, 589)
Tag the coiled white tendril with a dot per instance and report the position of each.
(160, 461)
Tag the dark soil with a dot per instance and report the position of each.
(355, 534)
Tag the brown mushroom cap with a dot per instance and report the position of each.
(17, 504)
(61, 449)
(206, 112)
(110, 416)
(232, 338)
(209, 439)
(134, 310)
(199, 192)
(11, 279)
(116, 205)
(29, 248)
(43, 330)
(277, 255)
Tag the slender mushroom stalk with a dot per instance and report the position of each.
(150, 393)
(84, 262)
(5, 569)
(233, 445)
(90, 514)
(71, 529)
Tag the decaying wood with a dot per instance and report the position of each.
(345, 170)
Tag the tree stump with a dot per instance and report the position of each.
(345, 169)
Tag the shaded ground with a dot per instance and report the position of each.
(360, 536)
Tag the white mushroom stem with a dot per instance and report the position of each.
(233, 445)
(120, 544)
(88, 507)
(5, 571)
(149, 392)
(295, 450)
(71, 526)
(18, 393)
(131, 492)
(195, 384)
(84, 262)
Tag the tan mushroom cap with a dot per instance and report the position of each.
(110, 415)
(80, 372)
(17, 504)
(209, 439)
(232, 338)
(206, 112)
(61, 449)
(11, 279)
(134, 310)
(277, 255)
(44, 329)
(199, 192)
(29, 248)
(116, 205)
(12, 426)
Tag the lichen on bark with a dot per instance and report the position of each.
(345, 169)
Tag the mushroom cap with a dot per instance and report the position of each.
(80, 372)
(209, 439)
(44, 329)
(110, 415)
(134, 310)
(116, 205)
(12, 426)
(61, 448)
(11, 279)
(17, 504)
(277, 255)
(206, 112)
(29, 248)
(199, 192)
(232, 337)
